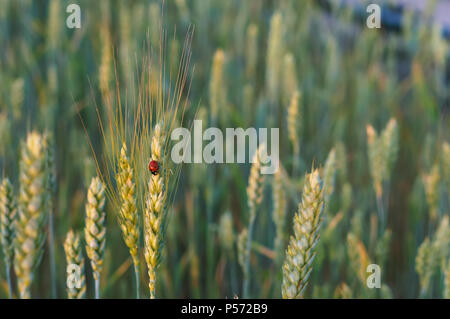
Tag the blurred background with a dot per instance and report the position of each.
(248, 59)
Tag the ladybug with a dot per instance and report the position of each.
(153, 167)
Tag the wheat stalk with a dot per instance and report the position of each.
(300, 252)
(7, 230)
(32, 213)
(128, 216)
(242, 249)
(254, 198)
(279, 214)
(74, 257)
(50, 191)
(95, 229)
(154, 212)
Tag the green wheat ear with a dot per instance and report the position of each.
(300, 252)
(425, 265)
(95, 229)
(32, 213)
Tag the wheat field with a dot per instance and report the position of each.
(92, 204)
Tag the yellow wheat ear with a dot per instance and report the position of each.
(128, 216)
(154, 212)
(74, 258)
(95, 230)
(32, 213)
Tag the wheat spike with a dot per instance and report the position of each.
(128, 211)
(431, 184)
(255, 183)
(293, 122)
(106, 57)
(343, 291)
(7, 230)
(441, 243)
(252, 50)
(254, 197)
(32, 213)
(226, 235)
(300, 252)
(74, 258)
(359, 258)
(447, 282)
(154, 211)
(274, 57)
(446, 162)
(95, 229)
(290, 82)
(382, 152)
(217, 92)
(329, 173)
(425, 265)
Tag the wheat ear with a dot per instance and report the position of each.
(217, 92)
(74, 258)
(425, 265)
(293, 126)
(32, 213)
(382, 153)
(128, 217)
(154, 211)
(95, 229)
(7, 230)
(329, 173)
(254, 198)
(300, 252)
(447, 283)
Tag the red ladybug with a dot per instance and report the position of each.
(153, 167)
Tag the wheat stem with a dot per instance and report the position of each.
(254, 198)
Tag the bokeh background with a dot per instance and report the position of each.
(248, 57)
